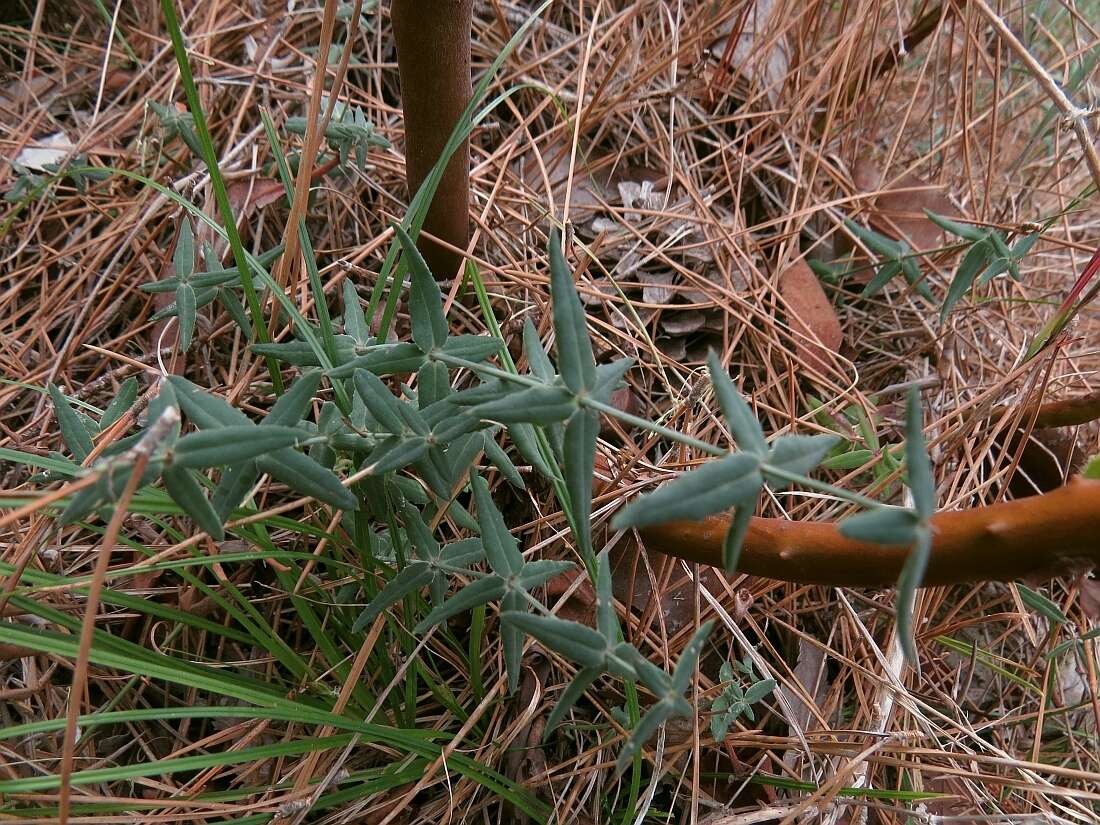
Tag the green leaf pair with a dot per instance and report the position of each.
(896, 258)
(734, 481)
(988, 257)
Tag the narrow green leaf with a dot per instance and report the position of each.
(234, 484)
(609, 377)
(537, 359)
(651, 676)
(382, 359)
(642, 733)
(487, 589)
(305, 476)
(889, 525)
(415, 576)
(499, 459)
(715, 487)
(462, 553)
(573, 640)
(579, 456)
(512, 639)
(743, 424)
(380, 401)
(230, 445)
(396, 452)
(886, 273)
(876, 242)
(429, 324)
(917, 466)
(569, 697)
(578, 367)
(355, 322)
(847, 461)
(73, 433)
(233, 306)
(607, 623)
(419, 535)
(972, 264)
(127, 395)
(735, 537)
(433, 384)
(540, 571)
(913, 274)
(500, 545)
(187, 493)
(1041, 604)
(303, 354)
(799, 453)
(523, 436)
(963, 230)
(474, 348)
(912, 574)
(205, 410)
(293, 405)
(685, 667)
(186, 301)
(202, 298)
(541, 406)
(183, 258)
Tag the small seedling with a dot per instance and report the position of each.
(736, 701)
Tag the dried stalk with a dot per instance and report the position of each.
(1076, 116)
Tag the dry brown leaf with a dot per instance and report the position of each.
(898, 210)
(817, 331)
(746, 49)
(249, 195)
(584, 194)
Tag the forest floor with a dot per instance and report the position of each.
(700, 155)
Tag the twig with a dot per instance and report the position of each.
(1076, 116)
(139, 455)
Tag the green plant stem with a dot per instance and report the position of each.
(217, 182)
(658, 429)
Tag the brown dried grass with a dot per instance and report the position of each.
(747, 170)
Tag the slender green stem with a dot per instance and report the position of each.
(658, 429)
(217, 182)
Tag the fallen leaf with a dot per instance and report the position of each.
(256, 193)
(746, 49)
(585, 192)
(817, 331)
(898, 210)
(46, 151)
(809, 670)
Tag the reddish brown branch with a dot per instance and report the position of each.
(1065, 412)
(1037, 536)
(433, 58)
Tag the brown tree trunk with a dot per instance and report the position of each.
(433, 58)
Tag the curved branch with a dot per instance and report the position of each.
(1064, 412)
(1039, 536)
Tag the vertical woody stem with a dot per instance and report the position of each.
(433, 58)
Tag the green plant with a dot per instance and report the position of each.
(895, 258)
(736, 701)
(437, 433)
(987, 257)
